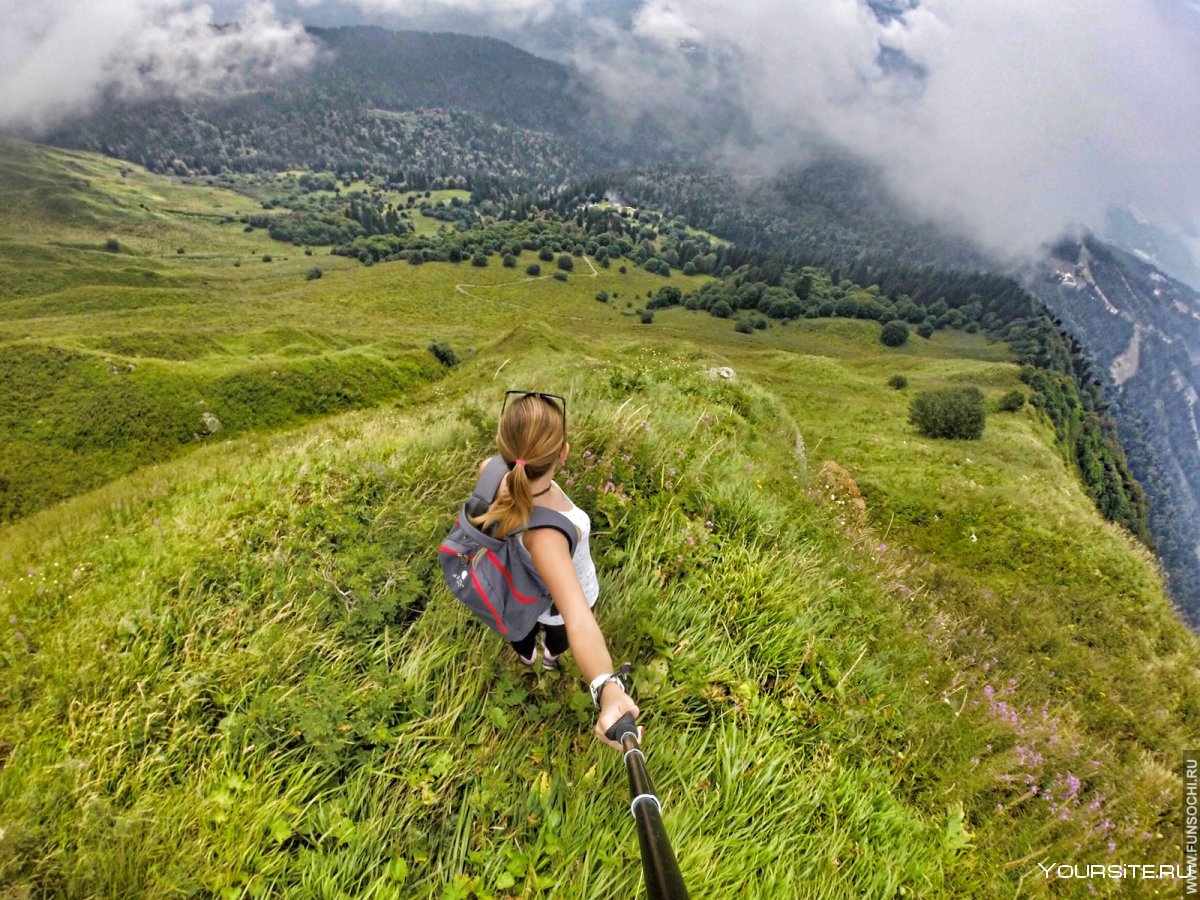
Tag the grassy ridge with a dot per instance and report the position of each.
(871, 664)
(269, 690)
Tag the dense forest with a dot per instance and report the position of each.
(377, 100)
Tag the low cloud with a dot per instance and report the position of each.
(1009, 119)
(62, 56)
(511, 13)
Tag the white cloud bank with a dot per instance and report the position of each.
(1007, 118)
(1027, 116)
(61, 56)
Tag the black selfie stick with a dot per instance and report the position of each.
(663, 881)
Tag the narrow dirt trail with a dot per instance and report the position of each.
(463, 287)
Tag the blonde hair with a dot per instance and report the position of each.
(530, 437)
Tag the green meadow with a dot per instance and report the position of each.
(870, 664)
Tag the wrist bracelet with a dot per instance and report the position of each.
(598, 683)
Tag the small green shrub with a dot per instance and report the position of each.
(479, 260)
(565, 262)
(510, 261)
(445, 353)
(560, 276)
(925, 329)
(314, 273)
(894, 334)
(602, 296)
(266, 257)
(1011, 402)
(112, 245)
(533, 270)
(949, 413)
(646, 316)
(744, 326)
(545, 254)
(899, 382)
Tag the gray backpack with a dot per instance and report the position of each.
(495, 577)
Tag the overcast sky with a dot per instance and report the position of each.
(1007, 118)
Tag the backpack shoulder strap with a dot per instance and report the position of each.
(489, 481)
(549, 518)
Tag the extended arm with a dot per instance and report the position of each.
(552, 557)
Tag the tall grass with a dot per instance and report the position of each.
(249, 680)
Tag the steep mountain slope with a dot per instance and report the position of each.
(406, 103)
(402, 103)
(1151, 244)
(871, 664)
(1144, 329)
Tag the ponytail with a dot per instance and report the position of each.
(530, 438)
(512, 508)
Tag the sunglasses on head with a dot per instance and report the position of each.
(560, 402)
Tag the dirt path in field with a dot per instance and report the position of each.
(462, 288)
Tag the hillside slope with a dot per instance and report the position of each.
(1144, 329)
(375, 101)
(871, 664)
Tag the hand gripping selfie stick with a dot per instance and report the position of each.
(663, 881)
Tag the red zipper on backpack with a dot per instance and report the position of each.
(483, 594)
(521, 598)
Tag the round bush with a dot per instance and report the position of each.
(949, 413)
(925, 329)
(533, 269)
(894, 333)
(444, 353)
(899, 382)
(646, 316)
(1011, 402)
(560, 276)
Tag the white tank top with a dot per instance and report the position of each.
(585, 568)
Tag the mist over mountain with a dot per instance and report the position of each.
(1006, 123)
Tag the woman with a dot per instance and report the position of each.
(532, 440)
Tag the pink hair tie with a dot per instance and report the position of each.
(519, 462)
